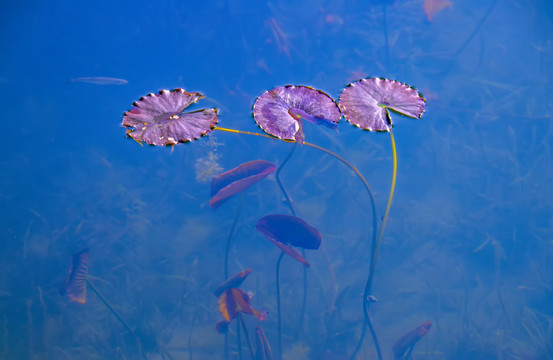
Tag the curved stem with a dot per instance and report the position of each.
(121, 320)
(279, 341)
(376, 246)
(375, 242)
(231, 232)
(246, 334)
(239, 340)
(277, 176)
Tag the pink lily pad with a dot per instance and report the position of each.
(365, 103)
(158, 119)
(280, 111)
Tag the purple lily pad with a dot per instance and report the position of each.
(365, 103)
(158, 119)
(288, 229)
(232, 282)
(75, 286)
(279, 111)
(229, 183)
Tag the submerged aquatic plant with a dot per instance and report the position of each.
(283, 231)
(159, 120)
(232, 302)
(75, 288)
(404, 346)
(365, 103)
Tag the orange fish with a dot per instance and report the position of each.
(432, 7)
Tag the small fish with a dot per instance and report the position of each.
(100, 80)
(432, 7)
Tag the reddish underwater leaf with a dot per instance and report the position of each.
(229, 183)
(158, 119)
(75, 286)
(279, 111)
(406, 343)
(288, 229)
(232, 282)
(432, 7)
(365, 103)
(234, 301)
(290, 251)
(263, 349)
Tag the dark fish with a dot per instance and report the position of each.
(99, 80)
(75, 286)
(229, 183)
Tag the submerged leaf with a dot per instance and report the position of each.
(240, 178)
(233, 301)
(288, 229)
(407, 342)
(290, 251)
(75, 286)
(232, 282)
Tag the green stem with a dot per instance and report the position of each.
(246, 334)
(279, 338)
(121, 320)
(375, 242)
(231, 232)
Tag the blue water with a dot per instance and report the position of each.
(468, 242)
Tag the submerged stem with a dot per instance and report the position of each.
(121, 320)
(231, 232)
(375, 241)
(279, 341)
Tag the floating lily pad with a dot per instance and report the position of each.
(240, 178)
(365, 103)
(158, 119)
(290, 230)
(280, 111)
